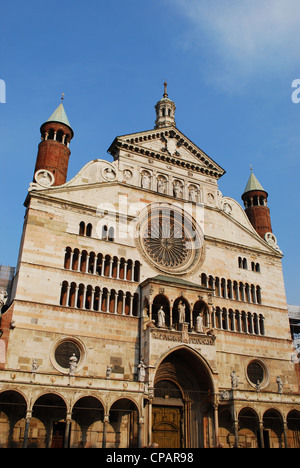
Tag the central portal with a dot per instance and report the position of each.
(182, 407)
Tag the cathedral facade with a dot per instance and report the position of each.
(147, 308)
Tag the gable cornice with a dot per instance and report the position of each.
(132, 143)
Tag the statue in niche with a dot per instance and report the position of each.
(161, 317)
(141, 371)
(127, 174)
(177, 188)
(192, 193)
(145, 180)
(199, 324)
(181, 312)
(161, 185)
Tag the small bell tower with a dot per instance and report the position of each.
(255, 201)
(165, 111)
(53, 152)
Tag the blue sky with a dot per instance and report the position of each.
(229, 65)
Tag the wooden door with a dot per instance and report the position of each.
(58, 435)
(166, 426)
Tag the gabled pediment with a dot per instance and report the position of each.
(170, 145)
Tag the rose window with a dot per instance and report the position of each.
(165, 245)
(170, 238)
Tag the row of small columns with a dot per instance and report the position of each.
(211, 319)
(102, 266)
(54, 138)
(100, 299)
(68, 426)
(249, 327)
(247, 204)
(169, 186)
(242, 292)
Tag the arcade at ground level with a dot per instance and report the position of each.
(181, 412)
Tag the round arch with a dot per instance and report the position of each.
(13, 407)
(49, 413)
(181, 312)
(199, 359)
(123, 428)
(273, 429)
(87, 423)
(293, 429)
(182, 407)
(161, 300)
(248, 428)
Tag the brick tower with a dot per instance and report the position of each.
(255, 202)
(53, 153)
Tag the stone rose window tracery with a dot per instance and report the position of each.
(166, 243)
(170, 238)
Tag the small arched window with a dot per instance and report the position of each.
(104, 233)
(89, 229)
(82, 228)
(111, 234)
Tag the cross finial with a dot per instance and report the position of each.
(251, 167)
(62, 96)
(165, 93)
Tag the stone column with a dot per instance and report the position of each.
(105, 422)
(26, 431)
(261, 434)
(216, 422)
(67, 430)
(285, 434)
(131, 305)
(140, 432)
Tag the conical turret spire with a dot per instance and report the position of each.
(59, 115)
(255, 201)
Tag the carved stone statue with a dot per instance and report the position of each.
(192, 193)
(161, 317)
(161, 185)
(199, 324)
(177, 189)
(73, 364)
(108, 372)
(234, 380)
(3, 298)
(141, 371)
(279, 384)
(181, 312)
(34, 365)
(145, 180)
